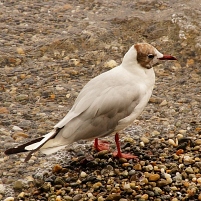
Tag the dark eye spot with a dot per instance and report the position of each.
(150, 56)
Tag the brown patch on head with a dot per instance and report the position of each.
(143, 50)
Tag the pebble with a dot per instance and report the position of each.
(110, 64)
(18, 185)
(83, 174)
(145, 196)
(145, 140)
(157, 191)
(2, 189)
(163, 103)
(77, 197)
(198, 142)
(137, 167)
(9, 199)
(189, 170)
(154, 177)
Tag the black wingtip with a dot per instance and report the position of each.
(21, 148)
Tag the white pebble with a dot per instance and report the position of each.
(90, 195)
(110, 64)
(172, 142)
(2, 189)
(126, 186)
(17, 128)
(142, 144)
(83, 174)
(9, 199)
(180, 136)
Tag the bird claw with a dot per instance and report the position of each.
(101, 145)
(126, 156)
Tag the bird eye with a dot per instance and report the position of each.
(150, 56)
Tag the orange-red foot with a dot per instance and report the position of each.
(101, 145)
(126, 156)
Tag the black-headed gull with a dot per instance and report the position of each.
(107, 104)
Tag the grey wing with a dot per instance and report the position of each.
(102, 112)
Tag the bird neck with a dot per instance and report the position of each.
(130, 62)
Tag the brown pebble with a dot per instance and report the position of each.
(57, 168)
(154, 177)
(137, 167)
(179, 152)
(3, 110)
(114, 196)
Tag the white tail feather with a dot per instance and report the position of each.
(37, 144)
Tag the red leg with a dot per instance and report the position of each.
(101, 145)
(119, 154)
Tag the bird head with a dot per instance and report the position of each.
(148, 56)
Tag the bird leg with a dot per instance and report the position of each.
(119, 154)
(101, 145)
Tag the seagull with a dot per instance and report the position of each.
(107, 104)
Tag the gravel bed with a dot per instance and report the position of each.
(50, 49)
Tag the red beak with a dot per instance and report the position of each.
(167, 57)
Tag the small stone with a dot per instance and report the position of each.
(172, 142)
(58, 198)
(124, 173)
(180, 136)
(97, 185)
(145, 140)
(68, 95)
(199, 180)
(102, 153)
(19, 135)
(154, 133)
(2, 189)
(114, 196)
(20, 50)
(21, 195)
(9, 199)
(17, 128)
(179, 152)
(131, 172)
(162, 183)
(137, 167)
(110, 64)
(59, 88)
(4, 110)
(101, 198)
(157, 191)
(154, 177)
(77, 197)
(126, 186)
(189, 170)
(199, 196)
(182, 131)
(142, 144)
(22, 97)
(148, 168)
(174, 199)
(83, 174)
(198, 142)
(164, 102)
(188, 160)
(18, 185)
(145, 196)
(57, 168)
